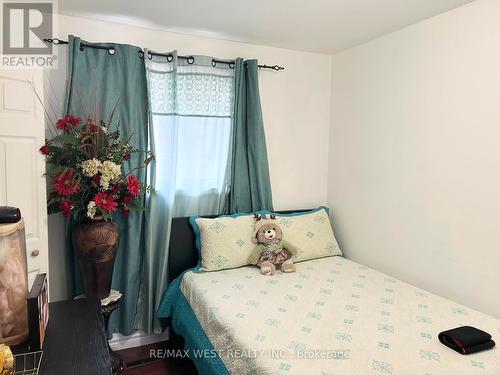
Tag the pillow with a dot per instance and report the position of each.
(311, 232)
(223, 242)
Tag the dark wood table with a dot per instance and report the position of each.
(75, 341)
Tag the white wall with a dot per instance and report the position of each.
(414, 165)
(296, 107)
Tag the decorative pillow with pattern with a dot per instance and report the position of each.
(311, 232)
(224, 242)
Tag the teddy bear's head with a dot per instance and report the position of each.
(267, 230)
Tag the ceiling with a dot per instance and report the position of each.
(324, 26)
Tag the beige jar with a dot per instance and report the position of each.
(13, 284)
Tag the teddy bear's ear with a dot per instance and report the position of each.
(273, 217)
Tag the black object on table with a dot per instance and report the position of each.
(9, 214)
(75, 341)
(117, 364)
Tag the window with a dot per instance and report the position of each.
(191, 121)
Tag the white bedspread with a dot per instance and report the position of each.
(363, 321)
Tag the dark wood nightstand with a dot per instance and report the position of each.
(75, 341)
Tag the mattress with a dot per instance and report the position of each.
(331, 317)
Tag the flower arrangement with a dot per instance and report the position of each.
(85, 164)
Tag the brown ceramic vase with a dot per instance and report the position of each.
(96, 243)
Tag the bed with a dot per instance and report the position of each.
(331, 317)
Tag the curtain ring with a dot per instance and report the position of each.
(214, 63)
(141, 53)
(170, 58)
(190, 60)
(55, 41)
(232, 65)
(111, 51)
(81, 48)
(150, 55)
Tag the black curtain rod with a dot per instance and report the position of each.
(169, 56)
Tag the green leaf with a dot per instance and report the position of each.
(53, 199)
(75, 214)
(135, 206)
(65, 139)
(53, 208)
(148, 189)
(53, 170)
(104, 214)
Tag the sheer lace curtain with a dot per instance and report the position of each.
(191, 109)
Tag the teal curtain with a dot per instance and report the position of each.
(250, 185)
(112, 87)
(191, 106)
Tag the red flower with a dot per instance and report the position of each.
(94, 128)
(96, 179)
(61, 124)
(105, 201)
(66, 183)
(134, 186)
(44, 150)
(116, 189)
(67, 123)
(127, 200)
(72, 120)
(126, 156)
(124, 211)
(66, 207)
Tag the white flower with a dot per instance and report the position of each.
(109, 171)
(90, 167)
(91, 209)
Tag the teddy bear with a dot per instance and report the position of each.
(272, 250)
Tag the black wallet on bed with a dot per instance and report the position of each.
(466, 340)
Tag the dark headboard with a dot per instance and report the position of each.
(182, 252)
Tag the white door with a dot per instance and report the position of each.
(22, 167)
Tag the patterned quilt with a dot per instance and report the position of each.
(331, 317)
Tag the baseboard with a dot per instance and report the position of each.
(138, 338)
